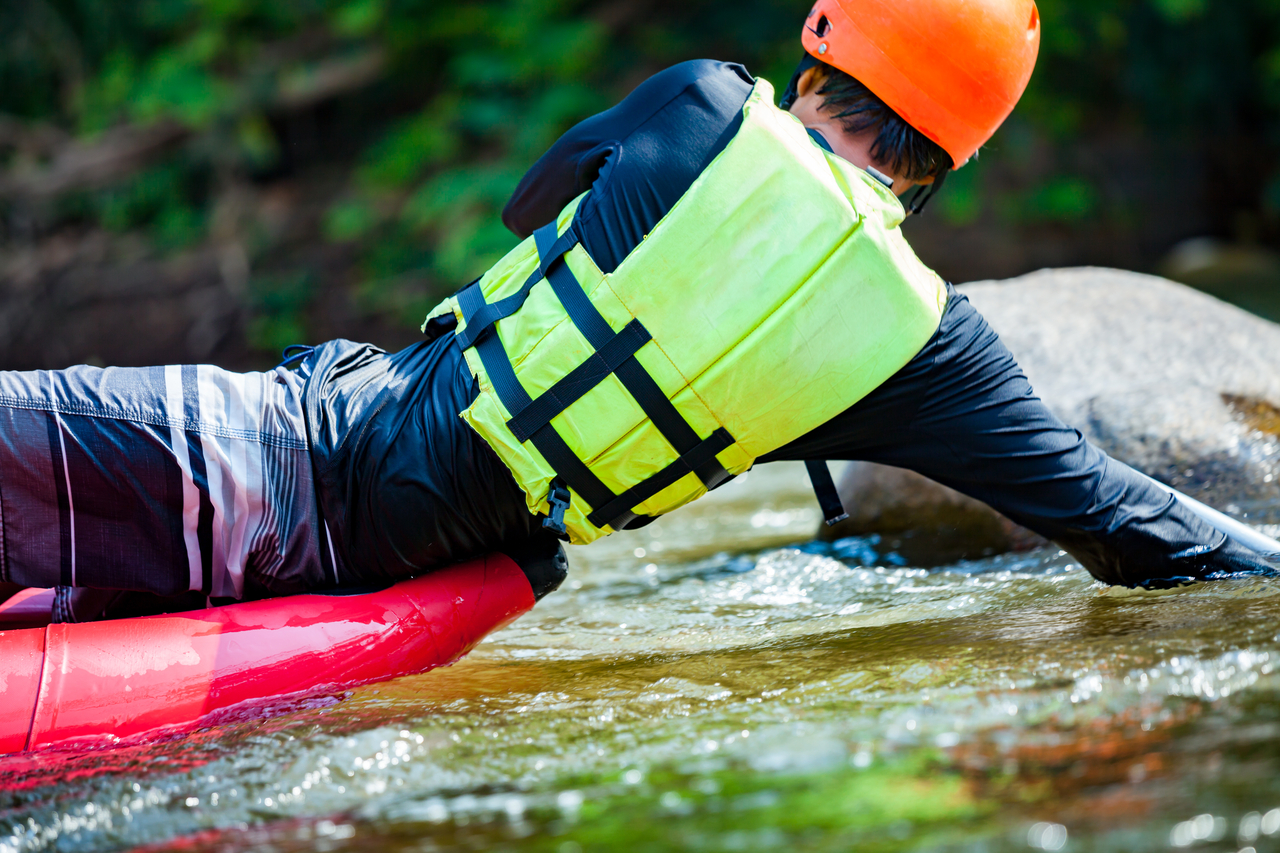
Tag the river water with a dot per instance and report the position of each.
(721, 681)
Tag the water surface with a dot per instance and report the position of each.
(720, 681)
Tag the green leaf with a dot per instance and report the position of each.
(960, 200)
(349, 220)
(1066, 200)
(178, 226)
(280, 303)
(175, 86)
(405, 153)
(105, 97)
(359, 18)
(257, 141)
(441, 200)
(1180, 10)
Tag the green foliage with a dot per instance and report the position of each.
(347, 221)
(406, 151)
(280, 304)
(157, 198)
(1271, 196)
(961, 203)
(470, 94)
(359, 18)
(1065, 200)
(1182, 66)
(178, 83)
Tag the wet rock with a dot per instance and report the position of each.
(1171, 381)
(924, 522)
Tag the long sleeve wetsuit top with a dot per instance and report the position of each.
(961, 413)
(407, 485)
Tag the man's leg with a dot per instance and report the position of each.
(963, 413)
(162, 480)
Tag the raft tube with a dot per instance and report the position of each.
(97, 683)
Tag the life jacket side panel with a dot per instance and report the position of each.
(778, 291)
(607, 428)
(541, 341)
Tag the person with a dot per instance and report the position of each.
(706, 282)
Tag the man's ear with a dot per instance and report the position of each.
(809, 81)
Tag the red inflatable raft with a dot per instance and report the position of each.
(99, 682)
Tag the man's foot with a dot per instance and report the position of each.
(543, 561)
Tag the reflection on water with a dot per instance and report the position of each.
(719, 681)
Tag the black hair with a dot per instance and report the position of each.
(912, 155)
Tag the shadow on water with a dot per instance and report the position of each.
(707, 683)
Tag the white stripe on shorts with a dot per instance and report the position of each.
(71, 503)
(231, 404)
(182, 453)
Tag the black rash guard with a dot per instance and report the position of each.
(637, 158)
(961, 412)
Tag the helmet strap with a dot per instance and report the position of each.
(925, 192)
(789, 96)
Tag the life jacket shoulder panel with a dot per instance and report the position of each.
(776, 293)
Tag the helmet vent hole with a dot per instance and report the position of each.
(824, 27)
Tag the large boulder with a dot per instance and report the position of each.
(1179, 385)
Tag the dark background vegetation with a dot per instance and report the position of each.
(210, 180)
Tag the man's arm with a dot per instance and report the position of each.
(562, 174)
(963, 413)
(671, 125)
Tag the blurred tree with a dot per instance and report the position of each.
(355, 153)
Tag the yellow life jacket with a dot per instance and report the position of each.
(776, 293)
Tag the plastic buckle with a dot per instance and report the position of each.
(558, 497)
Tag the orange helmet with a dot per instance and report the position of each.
(953, 69)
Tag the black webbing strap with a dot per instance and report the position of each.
(824, 488)
(925, 192)
(641, 492)
(497, 365)
(578, 382)
(661, 411)
(488, 313)
(614, 353)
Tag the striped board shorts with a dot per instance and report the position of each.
(159, 479)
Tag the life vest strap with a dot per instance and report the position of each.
(491, 312)
(578, 382)
(687, 463)
(824, 488)
(497, 364)
(614, 354)
(657, 408)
